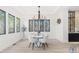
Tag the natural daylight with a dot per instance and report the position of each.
(39, 29)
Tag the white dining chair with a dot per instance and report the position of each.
(32, 41)
(43, 41)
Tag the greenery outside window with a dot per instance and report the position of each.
(2, 22)
(42, 25)
(11, 23)
(17, 24)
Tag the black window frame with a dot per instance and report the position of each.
(19, 24)
(39, 24)
(8, 23)
(4, 22)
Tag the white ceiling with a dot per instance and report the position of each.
(24, 10)
(74, 8)
(33, 10)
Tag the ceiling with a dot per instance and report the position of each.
(33, 10)
(24, 10)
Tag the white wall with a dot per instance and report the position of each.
(63, 15)
(57, 31)
(7, 40)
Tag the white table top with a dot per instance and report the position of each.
(38, 37)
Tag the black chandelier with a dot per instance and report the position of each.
(38, 12)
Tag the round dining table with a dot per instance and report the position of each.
(37, 39)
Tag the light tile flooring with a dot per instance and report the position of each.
(54, 47)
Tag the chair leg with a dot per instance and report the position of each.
(29, 45)
(43, 45)
(46, 44)
(32, 46)
(39, 45)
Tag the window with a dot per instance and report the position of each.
(47, 25)
(2, 22)
(17, 24)
(71, 20)
(42, 25)
(11, 23)
(31, 25)
(36, 25)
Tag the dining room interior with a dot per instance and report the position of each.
(39, 29)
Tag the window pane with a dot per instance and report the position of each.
(47, 25)
(71, 15)
(36, 25)
(11, 23)
(42, 25)
(17, 24)
(31, 25)
(2, 22)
